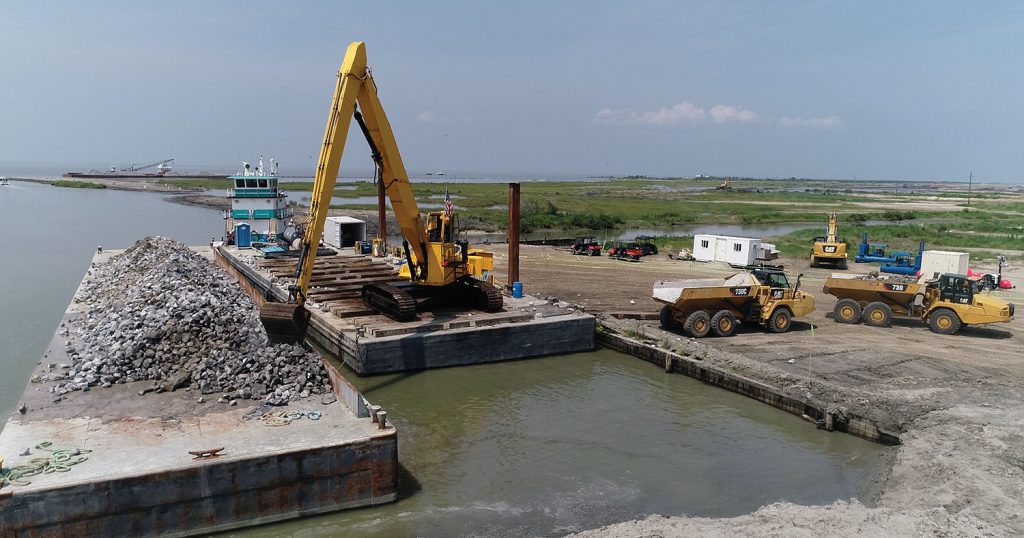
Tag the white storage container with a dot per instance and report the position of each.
(738, 251)
(343, 232)
(942, 261)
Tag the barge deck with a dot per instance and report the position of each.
(140, 479)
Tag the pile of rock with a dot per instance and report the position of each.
(161, 312)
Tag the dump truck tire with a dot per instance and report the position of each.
(723, 323)
(780, 320)
(877, 314)
(697, 324)
(846, 311)
(944, 321)
(667, 322)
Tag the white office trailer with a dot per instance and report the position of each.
(343, 232)
(942, 261)
(737, 251)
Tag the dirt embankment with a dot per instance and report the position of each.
(957, 402)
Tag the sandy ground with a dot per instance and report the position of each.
(957, 402)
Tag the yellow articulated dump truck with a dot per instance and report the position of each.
(947, 303)
(704, 305)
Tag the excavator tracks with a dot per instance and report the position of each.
(400, 305)
(390, 301)
(486, 297)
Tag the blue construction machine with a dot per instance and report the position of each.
(904, 264)
(873, 252)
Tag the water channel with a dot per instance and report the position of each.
(527, 448)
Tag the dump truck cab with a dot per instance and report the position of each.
(961, 295)
(776, 292)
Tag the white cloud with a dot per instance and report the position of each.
(828, 122)
(684, 113)
(428, 116)
(689, 114)
(726, 113)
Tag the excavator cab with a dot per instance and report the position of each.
(441, 229)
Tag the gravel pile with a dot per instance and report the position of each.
(161, 312)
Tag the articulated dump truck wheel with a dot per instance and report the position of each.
(944, 321)
(697, 324)
(666, 318)
(723, 323)
(846, 311)
(780, 321)
(877, 314)
(286, 323)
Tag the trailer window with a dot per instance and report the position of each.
(737, 247)
(703, 243)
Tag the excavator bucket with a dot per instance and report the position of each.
(286, 323)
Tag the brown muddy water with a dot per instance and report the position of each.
(549, 446)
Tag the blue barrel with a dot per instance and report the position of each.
(517, 290)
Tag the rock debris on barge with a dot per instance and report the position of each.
(158, 378)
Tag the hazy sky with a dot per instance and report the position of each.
(904, 90)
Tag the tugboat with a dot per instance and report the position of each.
(259, 209)
(4, 182)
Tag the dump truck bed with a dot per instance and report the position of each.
(892, 290)
(708, 288)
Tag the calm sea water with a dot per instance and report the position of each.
(529, 448)
(50, 235)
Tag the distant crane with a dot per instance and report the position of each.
(163, 167)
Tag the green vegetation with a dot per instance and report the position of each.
(71, 184)
(566, 208)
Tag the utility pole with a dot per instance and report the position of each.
(970, 182)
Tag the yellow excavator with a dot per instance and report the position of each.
(440, 266)
(829, 251)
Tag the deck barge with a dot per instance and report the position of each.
(141, 480)
(371, 343)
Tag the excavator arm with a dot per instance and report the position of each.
(438, 263)
(355, 86)
(831, 231)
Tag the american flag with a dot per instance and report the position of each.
(448, 207)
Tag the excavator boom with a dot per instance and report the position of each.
(435, 257)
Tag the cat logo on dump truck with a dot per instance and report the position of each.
(740, 292)
(778, 294)
(830, 248)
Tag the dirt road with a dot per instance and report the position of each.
(957, 402)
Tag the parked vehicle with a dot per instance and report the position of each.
(762, 296)
(947, 303)
(586, 246)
